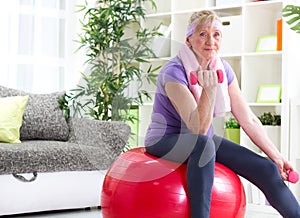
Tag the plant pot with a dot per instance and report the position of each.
(233, 134)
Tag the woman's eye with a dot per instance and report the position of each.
(217, 35)
(203, 35)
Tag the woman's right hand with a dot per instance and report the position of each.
(207, 79)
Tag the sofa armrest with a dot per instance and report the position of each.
(96, 132)
(108, 137)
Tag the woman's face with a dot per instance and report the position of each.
(205, 41)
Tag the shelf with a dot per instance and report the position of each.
(232, 55)
(159, 15)
(269, 53)
(254, 104)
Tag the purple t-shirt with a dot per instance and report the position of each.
(165, 119)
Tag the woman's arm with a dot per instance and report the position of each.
(254, 129)
(197, 117)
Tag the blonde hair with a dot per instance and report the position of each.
(200, 18)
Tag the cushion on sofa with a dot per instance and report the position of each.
(93, 145)
(48, 156)
(43, 119)
(109, 137)
(11, 114)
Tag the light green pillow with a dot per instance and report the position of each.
(11, 114)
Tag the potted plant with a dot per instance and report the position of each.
(115, 45)
(272, 125)
(232, 130)
(270, 119)
(113, 60)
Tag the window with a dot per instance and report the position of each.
(37, 45)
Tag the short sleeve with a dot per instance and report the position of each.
(229, 71)
(174, 72)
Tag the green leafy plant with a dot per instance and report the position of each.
(268, 118)
(113, 59)
(63, 105)
(292, 11)
(232, 123)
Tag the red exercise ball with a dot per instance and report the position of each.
(139, 185)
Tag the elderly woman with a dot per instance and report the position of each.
(189, 95)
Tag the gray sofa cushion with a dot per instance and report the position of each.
(48, 156)
(109, 136)
(93, 145)
(42, 118)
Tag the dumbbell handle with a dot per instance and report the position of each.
(194, 77)
(293, 176)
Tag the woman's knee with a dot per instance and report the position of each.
(204, 143)
(204, 150)
(265, 173)
(269, 169)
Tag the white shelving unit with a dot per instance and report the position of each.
(247, 22)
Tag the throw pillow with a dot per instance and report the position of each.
(43, 119)
(11, 113)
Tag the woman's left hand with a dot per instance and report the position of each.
(284, 167)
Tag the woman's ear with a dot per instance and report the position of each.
(187, 41)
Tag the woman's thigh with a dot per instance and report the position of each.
(242, 160)
(177, 147)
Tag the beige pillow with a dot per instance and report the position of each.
(11, 116)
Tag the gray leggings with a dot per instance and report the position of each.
(200, 152)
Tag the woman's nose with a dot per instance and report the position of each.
(209, 39)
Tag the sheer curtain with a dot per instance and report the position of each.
(37, 45)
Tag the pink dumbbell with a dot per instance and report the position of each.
(293, 176)
(194, 77)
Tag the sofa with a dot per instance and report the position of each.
(48, 162)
